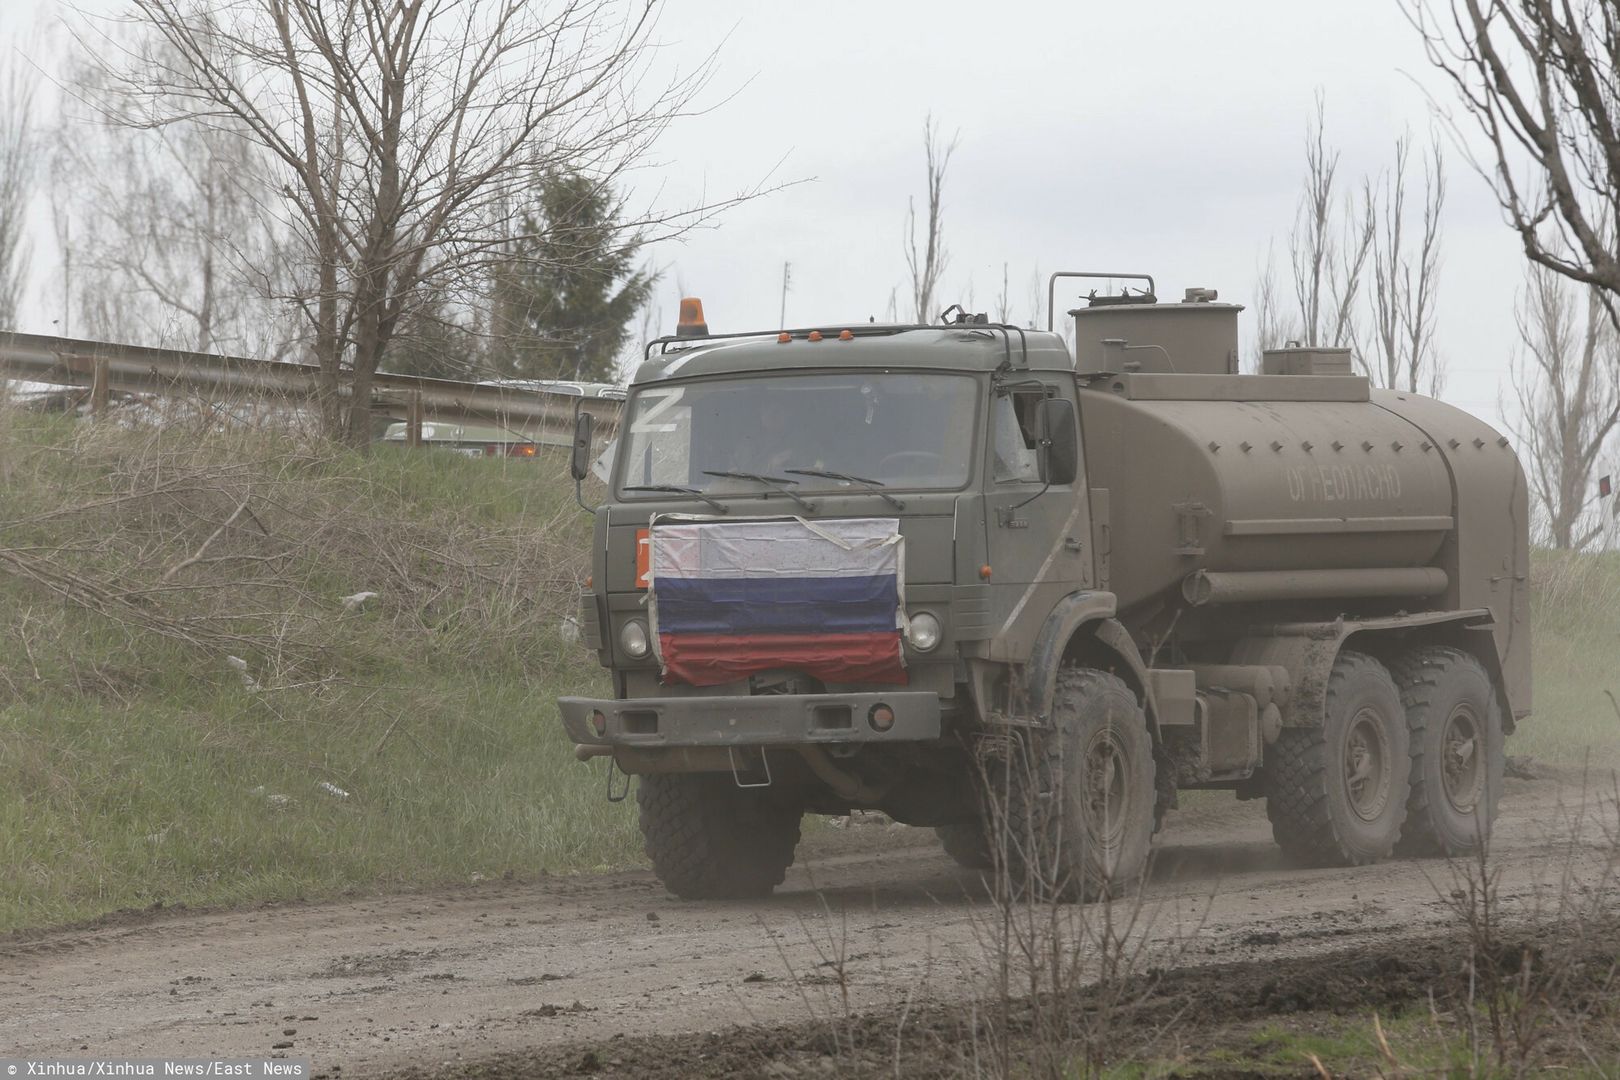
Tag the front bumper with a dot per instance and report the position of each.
(763, 720)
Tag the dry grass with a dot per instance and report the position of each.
(246, 543)
(1537, 979)
(181, 674)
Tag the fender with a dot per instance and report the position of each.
(1308, 651)
(1082, 625)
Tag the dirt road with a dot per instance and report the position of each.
(460, 975)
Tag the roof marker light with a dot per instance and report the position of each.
(784, 337)
(815, 335)
(846, 335)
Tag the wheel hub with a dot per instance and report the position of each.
(1105, 789)
(1368, 768)
(1462, 770)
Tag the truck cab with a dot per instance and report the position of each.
(959, 575)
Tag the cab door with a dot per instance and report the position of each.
(1038, 531)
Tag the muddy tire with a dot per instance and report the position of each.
(1077, 804)
(969, 845)
(709, 839)
(1455, 720)
(1336, 795)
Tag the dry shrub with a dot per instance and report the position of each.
(1057, 977)
(1538, 979)
(242, 539)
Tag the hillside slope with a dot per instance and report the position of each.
(190, 712)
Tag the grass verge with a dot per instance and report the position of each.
(1575, 609)
(226, 730)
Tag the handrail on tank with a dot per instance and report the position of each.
(1051, 287)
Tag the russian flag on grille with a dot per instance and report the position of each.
(733, 598)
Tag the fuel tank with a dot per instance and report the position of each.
(1278, 473)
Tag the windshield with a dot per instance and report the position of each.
(895, 430)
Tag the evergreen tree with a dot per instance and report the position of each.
(433, 340)
(567, 288)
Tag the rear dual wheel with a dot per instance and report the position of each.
(1337, 794)
(1455, 720)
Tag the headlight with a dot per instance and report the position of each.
(634, 638)
(924, 631)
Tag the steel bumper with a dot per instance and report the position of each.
(764, 720)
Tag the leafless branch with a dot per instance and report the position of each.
(1566, 384)
(1537, 81)
(927, 261)
(398, 135)
(17, 137)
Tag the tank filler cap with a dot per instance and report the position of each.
(1200, 296)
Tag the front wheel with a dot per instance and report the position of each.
(968, 845)
(1076, 802)
(709, 839)
(1336, 794)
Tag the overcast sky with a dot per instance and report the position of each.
(1163, 137)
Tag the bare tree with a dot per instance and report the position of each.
(16, 188)
(927, 260)
(175, 244)
(1364, 265)
(1273, 326)
(1405, 269)
(401, 132)
(1036, 295)
(1328, 245)
(1566, 379)
(1539, 79)
(62, 226)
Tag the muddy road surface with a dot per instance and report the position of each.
(455, 976)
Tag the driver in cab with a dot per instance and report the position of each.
(774, 443)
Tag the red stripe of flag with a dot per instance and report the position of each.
(711, 659)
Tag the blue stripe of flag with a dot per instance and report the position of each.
(832, 605)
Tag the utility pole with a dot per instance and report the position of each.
(67, 282)
(787, 276)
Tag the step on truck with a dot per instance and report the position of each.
(960, 575)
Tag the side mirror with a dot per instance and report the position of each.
(579, 466)
(1058, 456)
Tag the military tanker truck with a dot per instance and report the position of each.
(960, 575)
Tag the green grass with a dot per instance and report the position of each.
(136, 769)
(209, 795)
(1575, 605)
(1417, 1045)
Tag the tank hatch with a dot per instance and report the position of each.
(1198, 336)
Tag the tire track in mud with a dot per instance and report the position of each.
(458, 975)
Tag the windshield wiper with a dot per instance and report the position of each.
(777, 483)
(677, 489)
(873, 486)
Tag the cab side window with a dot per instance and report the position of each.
(1013, 437)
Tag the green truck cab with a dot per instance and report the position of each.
(961, 575)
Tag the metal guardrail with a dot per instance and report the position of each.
(103, 367)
